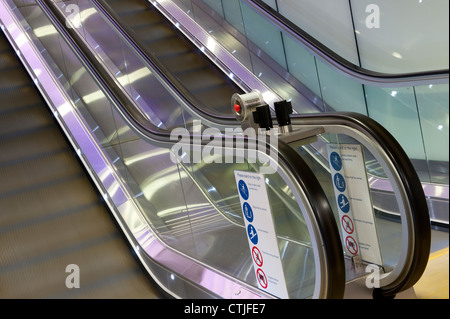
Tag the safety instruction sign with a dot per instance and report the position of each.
(359, 231)
(261, 233)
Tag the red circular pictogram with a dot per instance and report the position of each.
(262, 279)
(351, 245)
(347, 224)
(257, 256)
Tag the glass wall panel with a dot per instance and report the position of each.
(329, 21)
(433, 103)
(233, 15)
(339, 92)
(411, 36)
(396, 110)
(216, 5)
(263, 35)
(301, 64)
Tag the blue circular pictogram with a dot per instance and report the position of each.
(252, 234)
(248, 212)
(339, 182)
(243, 190)
(343, 203)
(336, 161)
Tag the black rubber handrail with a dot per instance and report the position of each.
(416, 199)
(299, 170)
(340, 63)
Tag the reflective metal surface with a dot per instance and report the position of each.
(53, 224)
(143, 194)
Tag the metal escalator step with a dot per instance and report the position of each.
(39, 263)
(38, 205)
(23, 120)
(7, 60)
(37, 172)
(102, 275)
(170, 48)
(142, 19)
(154, 33)
(4, 44)
(217, 98)
(12, 78)
(187, 62)
(48, 238)
(127, 7)
(200, 81)
(20, 148)
(23, 97)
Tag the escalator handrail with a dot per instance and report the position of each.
(419, 240)
(331, 253)
(330, 57)
(163, 72)
(384, 142)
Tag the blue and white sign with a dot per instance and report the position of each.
(339, 182)
(336, 161)
(260, 230)
(343, 203)
(359, 232)
(248, 212)
(252, 234)
(243, 190)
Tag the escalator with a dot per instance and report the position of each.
(180, 60)
(182, 233)
(51, 215)
(191, 229)
(421, 230)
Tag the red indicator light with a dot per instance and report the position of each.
(237, 108)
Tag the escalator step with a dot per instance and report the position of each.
(38, 171)
(141, 19)
(217, 99)
(22, 148)
(24, 120)
(187, 62)
(200, 81)
(127, 7)
(22, 97)
(169, 48)
(7, 60)
(11, 79)
(154, 33)
(30, 206)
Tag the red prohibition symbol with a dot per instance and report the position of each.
(351, 245)
(262, 279)
(257, 256)
(347, 224)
